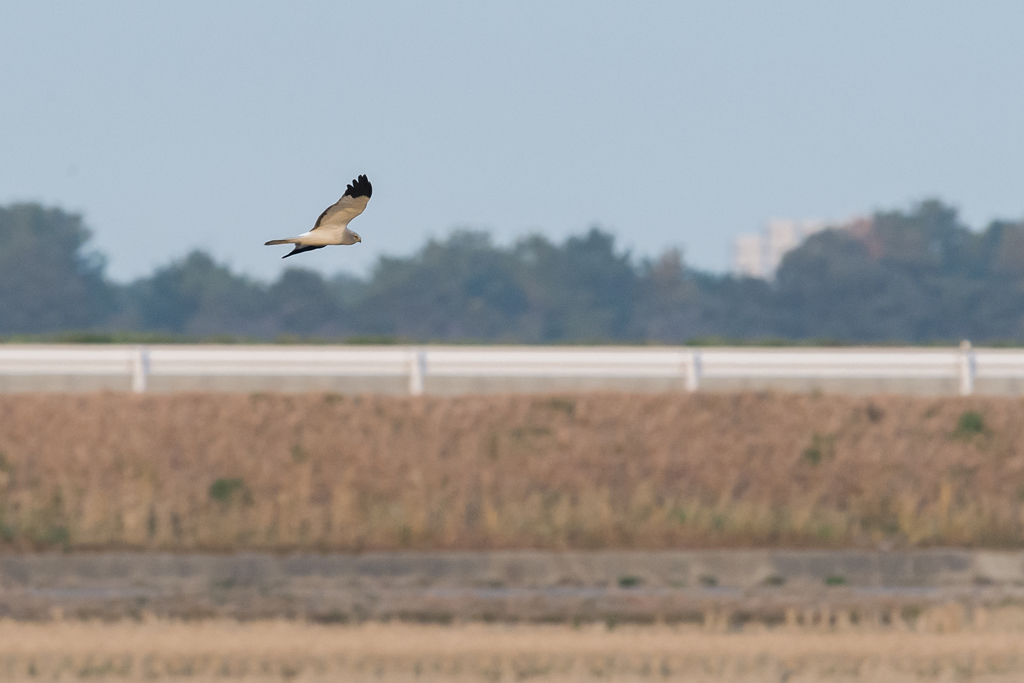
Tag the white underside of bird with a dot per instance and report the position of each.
(323, 238)
(332, 226)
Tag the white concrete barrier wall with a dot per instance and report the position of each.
(462, 369)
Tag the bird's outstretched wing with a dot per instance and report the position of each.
(351, 204)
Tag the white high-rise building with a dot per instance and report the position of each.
(747, 256)
(760, 255)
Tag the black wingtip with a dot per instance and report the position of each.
(360, 187)
(299, 249)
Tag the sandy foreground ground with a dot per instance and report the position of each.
(289, 650)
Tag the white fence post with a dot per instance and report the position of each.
(140, 369)
(417, 370)
(692, 362)
(968, 368)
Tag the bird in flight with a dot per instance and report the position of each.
(332, 226)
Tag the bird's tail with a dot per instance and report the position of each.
(290, 240)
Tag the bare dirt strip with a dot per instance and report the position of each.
(729, 588)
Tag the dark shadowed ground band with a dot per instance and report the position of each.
(504, 586)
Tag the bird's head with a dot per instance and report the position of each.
(356, 237)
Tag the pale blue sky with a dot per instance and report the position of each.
(223, 124)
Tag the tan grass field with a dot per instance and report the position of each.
(323, 471)
(275, 651)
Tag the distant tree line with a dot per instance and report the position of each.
(914, 276)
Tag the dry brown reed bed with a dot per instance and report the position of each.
(217, 650)
(323, 471)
